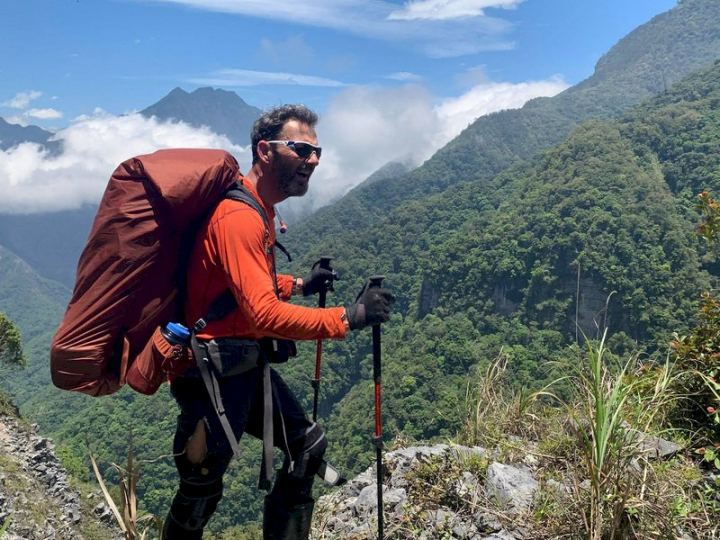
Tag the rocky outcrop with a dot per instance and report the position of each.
(453, 492)
(459, 507)
(35, 494)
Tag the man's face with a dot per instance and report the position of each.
(292, 172)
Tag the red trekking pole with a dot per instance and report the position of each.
(376, 281)
(324, 263)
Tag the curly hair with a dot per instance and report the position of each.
(271, 123)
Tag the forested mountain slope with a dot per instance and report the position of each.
(598, 229)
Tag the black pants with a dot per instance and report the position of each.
(201, 484)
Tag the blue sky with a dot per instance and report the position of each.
(375, 70)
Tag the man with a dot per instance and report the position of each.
(234, 250)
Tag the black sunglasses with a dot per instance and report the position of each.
(303, 149)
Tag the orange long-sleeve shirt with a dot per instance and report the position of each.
(232, 250)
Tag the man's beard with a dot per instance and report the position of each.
(287, 180)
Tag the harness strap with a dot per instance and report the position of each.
(211, 384)
(266, 467)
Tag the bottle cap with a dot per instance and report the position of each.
(177, 329)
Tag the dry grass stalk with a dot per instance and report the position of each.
(133, 525)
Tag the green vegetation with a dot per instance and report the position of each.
(10, 344)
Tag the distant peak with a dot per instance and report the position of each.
(207, 91)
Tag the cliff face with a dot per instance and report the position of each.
(35, 494)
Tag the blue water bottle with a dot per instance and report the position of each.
(176, 334)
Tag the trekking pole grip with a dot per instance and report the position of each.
(325, 265)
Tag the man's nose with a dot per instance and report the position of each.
(313, 160)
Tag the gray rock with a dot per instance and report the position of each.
(511, 486)
(467, 486)
(557, 486)
(501, 535)
(656, 447)
(487, 522)
(367, 500)
(441, 518)
(464, 530)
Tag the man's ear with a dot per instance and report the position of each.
(264, 151)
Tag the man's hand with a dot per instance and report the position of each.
(371, 307)
(320, 279)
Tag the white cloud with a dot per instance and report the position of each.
(436, 36)
(403, 76)
(244, 77)
(455, 114)
(44, 114)
(31, 180)
(22, 99)
(362, 129)
(448, 9)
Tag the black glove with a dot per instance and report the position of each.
(320, 279)
(371, 307)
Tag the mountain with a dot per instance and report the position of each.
(598, 231)
(51, 242)
(645, 62)
(12, 134)
(34, 303)
(224, 112)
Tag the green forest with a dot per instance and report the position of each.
(532, 231)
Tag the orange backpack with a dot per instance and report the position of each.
(129, 276)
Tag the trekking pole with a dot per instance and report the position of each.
(324, 263)
(376, 282)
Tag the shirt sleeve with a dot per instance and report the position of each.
(242, 248)
(285, 286)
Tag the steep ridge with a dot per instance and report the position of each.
(51, 242)
(35, 493)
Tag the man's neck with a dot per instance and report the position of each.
(264, 186)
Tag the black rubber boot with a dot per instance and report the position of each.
(282, 523)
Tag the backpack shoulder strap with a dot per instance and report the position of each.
(240, 193)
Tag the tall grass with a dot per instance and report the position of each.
(596, 441)
(614, 410)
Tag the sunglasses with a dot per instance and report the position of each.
(303, 149)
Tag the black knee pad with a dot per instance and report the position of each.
(193, 505)
(200, 491)
(307, 452)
